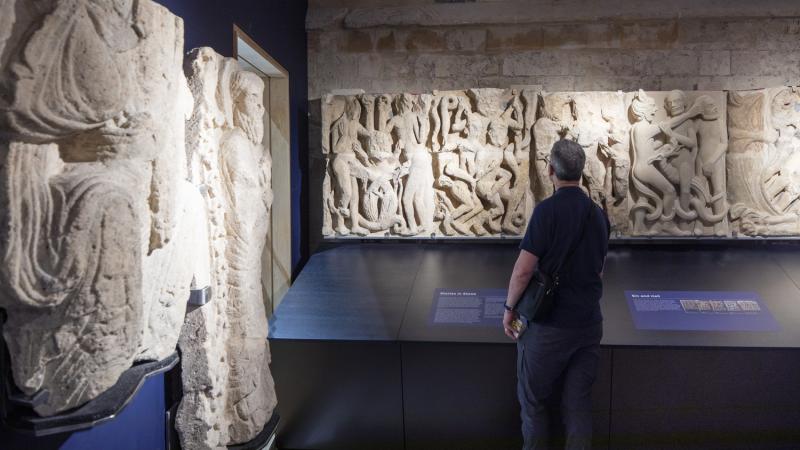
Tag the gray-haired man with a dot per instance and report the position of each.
(563, 348)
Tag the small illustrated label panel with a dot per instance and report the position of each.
(700, 310)
(482, 307)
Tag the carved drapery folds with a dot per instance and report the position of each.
(95, 243)
(660, 163)
(228, 389)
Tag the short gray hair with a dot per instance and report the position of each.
(567, 159)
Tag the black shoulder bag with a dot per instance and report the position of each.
(537, 299)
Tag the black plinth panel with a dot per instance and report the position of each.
(358, 363)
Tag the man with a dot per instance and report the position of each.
(564, 346)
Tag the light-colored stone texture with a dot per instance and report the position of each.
(715, 62)
(763, 163)
(95, 219)
(657, 161)
(228, 389)
(448, 163)
(434, 14)
(465, 40)
(678, 144)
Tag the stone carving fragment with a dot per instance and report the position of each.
(452, 163)
(764, 161)
(228, 389)
(657, 162)
(93, 216)
(678, 175)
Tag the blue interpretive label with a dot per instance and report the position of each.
(483, 307)
(700, 311)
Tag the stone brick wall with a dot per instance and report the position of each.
(577, 45)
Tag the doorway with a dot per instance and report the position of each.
(276, 259)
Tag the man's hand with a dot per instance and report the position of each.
(509, 317)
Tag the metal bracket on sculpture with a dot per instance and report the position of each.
(32, 401)
(199, 297)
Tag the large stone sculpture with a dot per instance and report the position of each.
(678, 176)
(764, 161)
(95, 234)
(655, 161)
(450, 163)
(228, 390)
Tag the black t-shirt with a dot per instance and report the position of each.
(553, 227)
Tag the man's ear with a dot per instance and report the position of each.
(550, 170)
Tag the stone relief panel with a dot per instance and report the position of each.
(764, 161)
(228, 390)
(678, 142)
(655, 161)
(95, 222)
(453, 163)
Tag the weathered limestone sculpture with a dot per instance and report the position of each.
(447, 163)
(228, 389)
(764, 161)
(678, 181)
(655, 161)
(94, 216)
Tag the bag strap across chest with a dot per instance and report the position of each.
(575, 242)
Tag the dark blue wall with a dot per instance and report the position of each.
(278, 26)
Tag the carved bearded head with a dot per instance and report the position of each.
(247, 90)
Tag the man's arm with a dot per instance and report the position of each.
(523, 271)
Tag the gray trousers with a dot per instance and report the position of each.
(557, 362)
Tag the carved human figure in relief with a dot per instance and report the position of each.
(556, 117)
(245, 168)
(458, 187)
(590, 131)
(93, 237)
(655, 196)
(710, 172)
(679, 164)
(411, 126)
(617, 149)
(379, 180)
(348, 161)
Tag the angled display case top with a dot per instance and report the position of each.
(394, 292)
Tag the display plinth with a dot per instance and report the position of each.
(410, 383)
(264, 440)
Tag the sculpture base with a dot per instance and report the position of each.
(265, 440)
(19, 416)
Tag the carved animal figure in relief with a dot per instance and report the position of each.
(655, 196)
(380, 179)
(455, 186)
(782, 179)
(763, 128)
(347, 165)
(517, 211)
